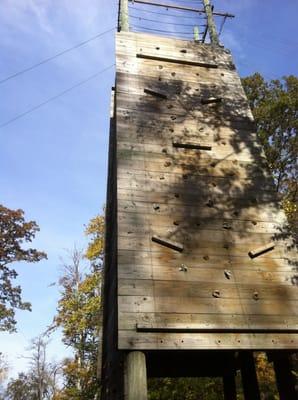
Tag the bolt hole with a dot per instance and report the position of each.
(173, 73)
(157, 48)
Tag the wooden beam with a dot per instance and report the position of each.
(249, 376)
(229, 385)
(178, 7)
(123, 23)
(285, 378)
(178, 329)
(135, 376)
(211, 24)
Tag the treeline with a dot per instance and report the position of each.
(275, 108)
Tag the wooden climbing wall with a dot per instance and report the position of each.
(204, 260)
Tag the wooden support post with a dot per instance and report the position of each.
(196, 33)
(135, 376)
(229, 385)
(211, 24)
(123, 23)
(249, 376)
(285, 378)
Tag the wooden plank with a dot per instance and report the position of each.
(133, 83)
(170, 71)
(202, 273)
(146, 130)
(221, 247)
(155, 341)
(187, 125)
(180, 196)
(175, 54)
(127, 222)
(128, 321)
(204, 289)
(210, 305)
(264, 266)
(263, 212)
(198, 237)
(195, 167)
(227, 109)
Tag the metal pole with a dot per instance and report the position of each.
(211, 24)
(123, 16)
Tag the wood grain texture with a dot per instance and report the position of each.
(218, 205)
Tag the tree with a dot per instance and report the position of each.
(14, 232)
(275, 108)
(78, 316)
(39, 382)
(95, 230)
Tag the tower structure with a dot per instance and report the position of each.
(199, 268)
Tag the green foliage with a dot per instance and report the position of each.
(78, 316)
(14, 232)
(185, 388)
(275, 108)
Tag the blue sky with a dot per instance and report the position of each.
(53, 161)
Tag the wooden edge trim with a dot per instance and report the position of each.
(157, 329)
(176, 61)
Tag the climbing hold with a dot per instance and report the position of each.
(228, 273)
(167, 243)
(210, 203)
(255, 296)
(211, 100)
(261, 250)
(226, 225)
(156, 93)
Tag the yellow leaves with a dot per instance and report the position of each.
(95, 230)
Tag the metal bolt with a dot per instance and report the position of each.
(183, 268)
(216, 293)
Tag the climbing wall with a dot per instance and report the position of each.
(204, 258)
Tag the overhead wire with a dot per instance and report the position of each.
(32, 109)
(44, 61)
(160, 30)
(161, 22)
(167, 14)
